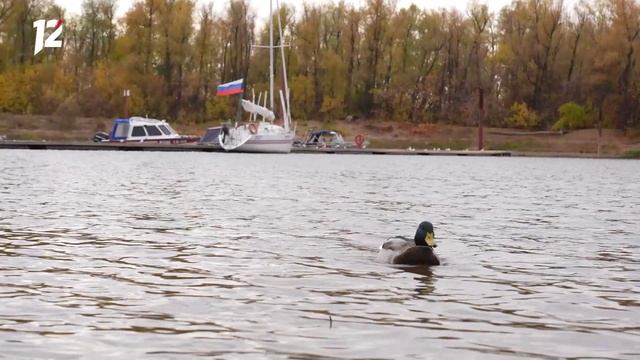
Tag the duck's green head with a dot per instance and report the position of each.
(425, 235)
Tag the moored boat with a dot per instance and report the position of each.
(262, 136)
(210, 137)
(139, 129)
(324, 139)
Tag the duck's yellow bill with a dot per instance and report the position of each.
(430, 240)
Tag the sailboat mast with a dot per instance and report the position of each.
(271, 54)
(287, 120)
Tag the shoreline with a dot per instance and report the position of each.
(381, 135)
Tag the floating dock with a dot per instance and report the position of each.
(373, 151)
(50, 145)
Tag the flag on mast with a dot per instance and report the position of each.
(230, 88)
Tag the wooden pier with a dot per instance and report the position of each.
(400, 152)
(89, 146)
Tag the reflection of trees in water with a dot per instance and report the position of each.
(424, 277)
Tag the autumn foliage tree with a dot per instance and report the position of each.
(529, 60)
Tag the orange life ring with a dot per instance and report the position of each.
(359, 140)
(253, 129)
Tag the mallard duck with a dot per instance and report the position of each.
(404, 251)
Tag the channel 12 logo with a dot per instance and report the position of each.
(52, 40)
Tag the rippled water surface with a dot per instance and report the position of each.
(180, 255)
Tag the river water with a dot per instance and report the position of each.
(180, 255)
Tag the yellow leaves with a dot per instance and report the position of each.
(13, 98)
(522, 117)
(40, 88)
(504, 54)
(103, 80)
(332, 106)
(302, 95)
(103, 94)
(216, 108)
(334, 74)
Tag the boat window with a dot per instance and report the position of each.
(165, 130)
(122, 130)
(170, 129)
(138, 131)
(152, 130)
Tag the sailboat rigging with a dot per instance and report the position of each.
(263, 136)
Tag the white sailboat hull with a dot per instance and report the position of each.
(267, 146)
(268, 138)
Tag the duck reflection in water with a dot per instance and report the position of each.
(425, 281)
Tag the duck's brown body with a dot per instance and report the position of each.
(417, 255)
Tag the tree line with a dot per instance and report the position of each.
(533, 64)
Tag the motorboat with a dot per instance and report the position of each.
(210, 137)
(330, 139)
(139, 129)
(324, 139)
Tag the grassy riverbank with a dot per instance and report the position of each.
(380, 134)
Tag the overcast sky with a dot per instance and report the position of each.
(262, 7)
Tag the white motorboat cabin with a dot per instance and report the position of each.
(139, 129)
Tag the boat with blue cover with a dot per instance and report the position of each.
(139, 129)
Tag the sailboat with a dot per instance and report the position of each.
(261, 136)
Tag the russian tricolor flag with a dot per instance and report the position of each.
(230, 88)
